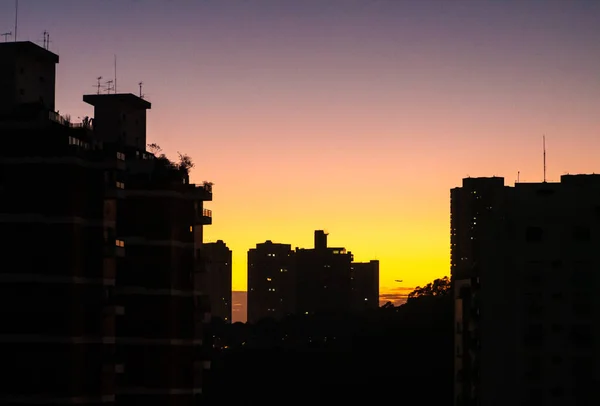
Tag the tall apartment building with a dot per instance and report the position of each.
(524, 262)
(101, 302)
(218, 264)
(365, 285)
(323, 278)
(271, 281)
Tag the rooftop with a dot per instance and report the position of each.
(123, 98)
(27, 47)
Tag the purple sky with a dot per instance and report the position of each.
(352, 116)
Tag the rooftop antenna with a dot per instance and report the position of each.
(544, 141)
(518, 176)
(115, 88)
(109, 86)
(16, 18)
(99, 78)
(46, 40)
(141, 94)
(6, 35)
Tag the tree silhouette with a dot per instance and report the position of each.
(439, 287)
(155, 149)
(185, 162)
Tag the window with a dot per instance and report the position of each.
(119, 243)
(121, 156)
(120, 185)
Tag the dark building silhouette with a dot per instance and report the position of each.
(271, 281)
(102, 302)
(524, 262)
(218, 264)
(323, 278)
(306, 281)
(365, 285)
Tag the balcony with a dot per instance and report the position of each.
(202, 192)
(204, 218)
(87, 123)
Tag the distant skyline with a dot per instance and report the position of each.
(352, 116)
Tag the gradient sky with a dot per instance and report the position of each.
(352, 116)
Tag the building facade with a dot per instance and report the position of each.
(523, 274)
(271, 281)
(365, 285)
(324, 282)
(105, 307)
(218, 263)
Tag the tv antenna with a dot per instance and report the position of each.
(46, 40)
(6, 35)
(544, 146)
(110, 86)
(140, 85)
(16, 18)
(115, 87)
(99, 85)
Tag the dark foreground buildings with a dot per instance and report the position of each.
(365, 285)
(218, 272)
(271, 281)
(525, 262)
(101, 300)
(322, 279)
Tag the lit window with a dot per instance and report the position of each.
(268, 279)
(120, 185)
(191, 229)
(119, 243)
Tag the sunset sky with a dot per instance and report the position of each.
(352, 116)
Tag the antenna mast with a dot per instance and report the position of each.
(115, 88)
(141, 94)
(16, 18)
(46, 40)
(109, 86)
(544, 141)
(99, 85)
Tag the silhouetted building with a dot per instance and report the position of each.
(218, 263)
(365, 285)
(525, 287)
(271, 281)
(106, 306)
(323, 278)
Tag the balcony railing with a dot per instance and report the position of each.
(204, 218)
(57, 118)
(203, 191)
